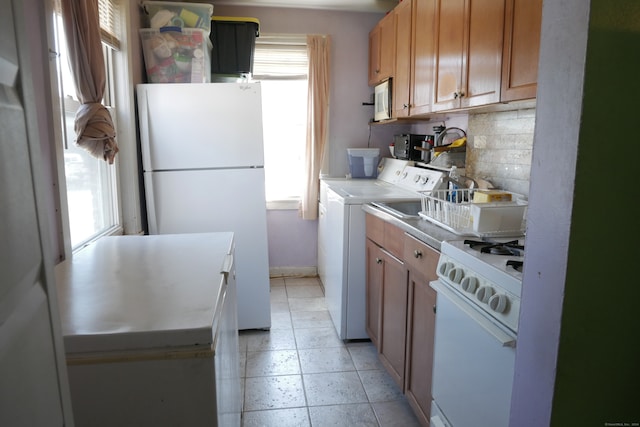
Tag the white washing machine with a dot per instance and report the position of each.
(342, 235)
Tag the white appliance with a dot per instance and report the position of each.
(150, 331)
(341, 235)
(203, 158)
(382, 101)
(478, 303)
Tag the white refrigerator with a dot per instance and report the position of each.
(203, 165)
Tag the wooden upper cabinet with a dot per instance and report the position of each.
(523, 21)
(423, 56)
(374, 55)
(469, 42)
(450, 47)
(382, 50)
(402, 74)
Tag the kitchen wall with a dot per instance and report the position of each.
(576, 358)
(499, 148)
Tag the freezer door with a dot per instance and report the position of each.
(220, 200)
(206, 125)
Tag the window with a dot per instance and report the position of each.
(281, 64)
(91, 187)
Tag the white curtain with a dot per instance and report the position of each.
(94, 127)
(318, 47)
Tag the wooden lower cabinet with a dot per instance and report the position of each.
(401, 309)
(374, 290)
(419, 352)
(394, 317)
(421, 261)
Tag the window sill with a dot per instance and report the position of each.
(283, 205)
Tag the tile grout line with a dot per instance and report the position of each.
(295, 340)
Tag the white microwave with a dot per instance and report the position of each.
(382, 101)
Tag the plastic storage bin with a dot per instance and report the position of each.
(234, 42)
(176, 55)
(178, 14)
(363, 162)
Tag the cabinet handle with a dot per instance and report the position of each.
(417, 253)
(378, 261)
(434, 309)
(461, 94)
(405, 106)
(455, 95)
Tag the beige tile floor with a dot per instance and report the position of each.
(301, 374)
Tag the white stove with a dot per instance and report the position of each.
(477, 308)
(491, 280)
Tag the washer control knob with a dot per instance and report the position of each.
(469, 284)
(456, 275)
(424, 179)
(499, 303)
(445, 268)
(404, 175)
(484, 293)
(416, 178)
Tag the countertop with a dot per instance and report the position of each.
(142, 292)
(419, 228)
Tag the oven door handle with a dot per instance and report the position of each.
(507, 340)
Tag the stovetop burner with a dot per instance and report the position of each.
(512, 248)
(517, 265)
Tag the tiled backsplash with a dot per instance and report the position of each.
(499, 148)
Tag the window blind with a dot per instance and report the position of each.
(109, 11)
(280, 56)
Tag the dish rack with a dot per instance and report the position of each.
(453, 210)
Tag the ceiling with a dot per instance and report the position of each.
(377, 6)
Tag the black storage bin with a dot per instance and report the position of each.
(234, 41)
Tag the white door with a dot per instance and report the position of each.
(193, 126)
(33, 381)
(193, 201)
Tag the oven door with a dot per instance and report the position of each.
(473, 365)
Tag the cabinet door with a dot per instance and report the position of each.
(374, 55)
(402, 75)
(450, 45)
(469, 53)
(394, 317)
(387, 46)
(422, 67)
(482, 67)
(374, 261)
(523, 20)
(421, 326)
(422, 262)
(382, 50)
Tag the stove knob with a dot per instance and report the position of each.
(484, 293)
(469, 284)
(499, 303)
(456, 275)
(445, 268)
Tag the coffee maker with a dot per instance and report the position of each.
(411, 146)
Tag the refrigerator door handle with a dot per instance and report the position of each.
(152, 218)
(145, 129)
(227, 266)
